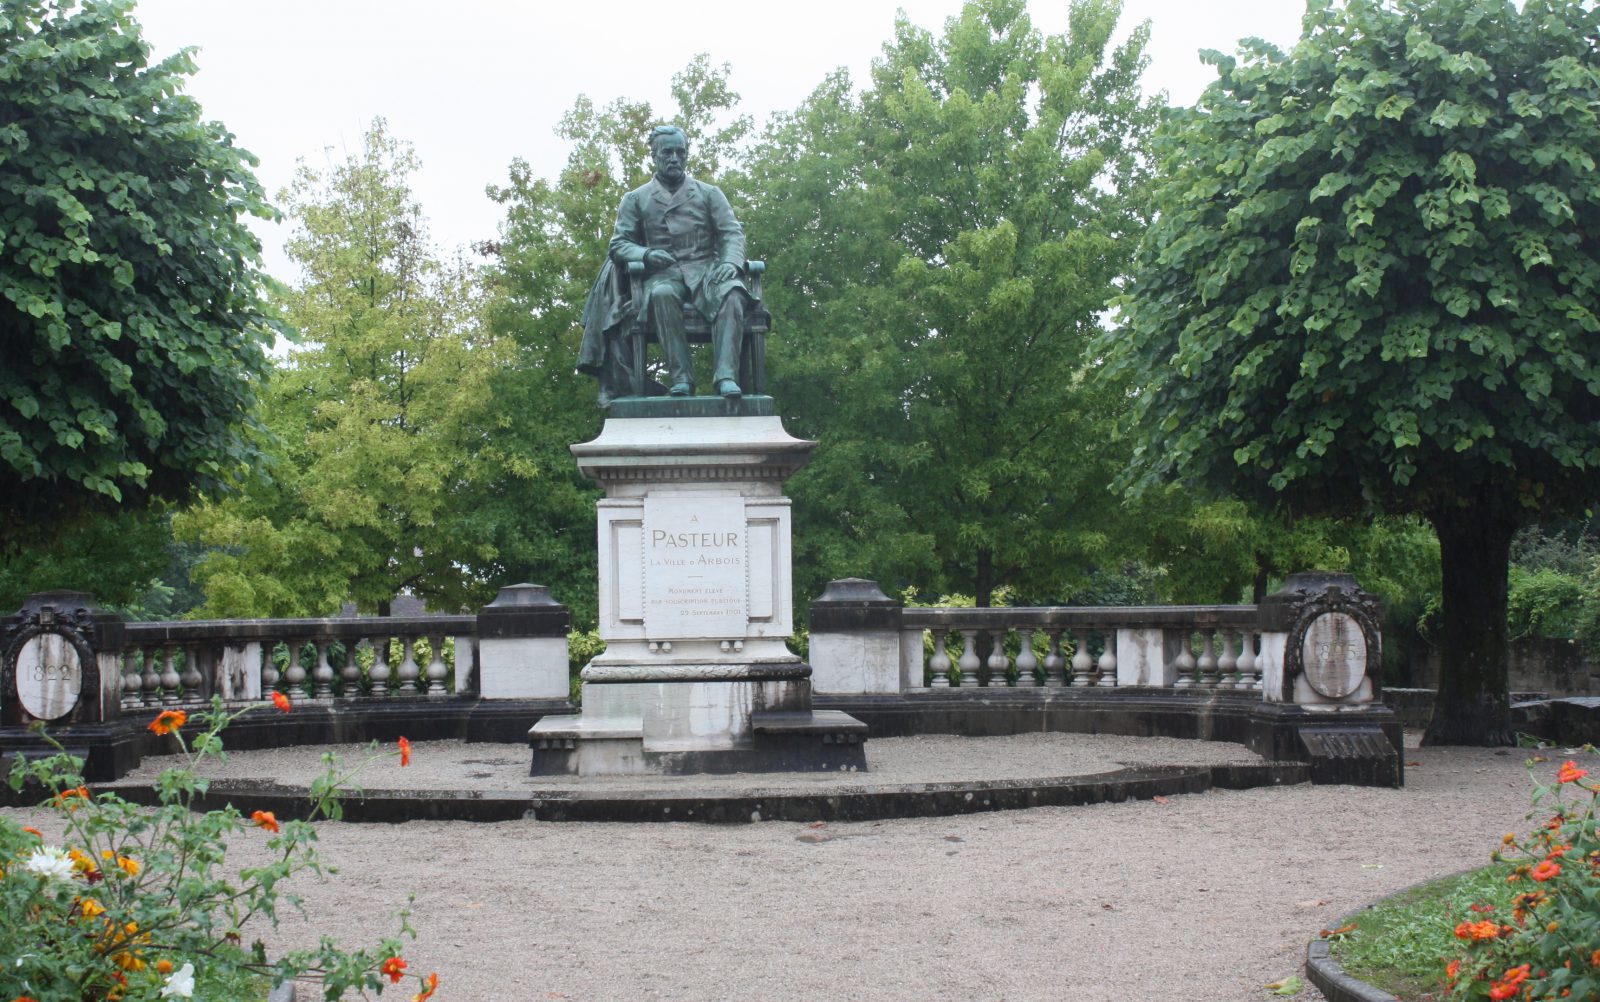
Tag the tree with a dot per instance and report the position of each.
(382, 416)
(942, 247)
(132, 324)
(1371, 285)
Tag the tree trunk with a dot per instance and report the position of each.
(1473, 706)
(983, 585)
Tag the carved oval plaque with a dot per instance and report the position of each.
(1334, 654)
(49, 676)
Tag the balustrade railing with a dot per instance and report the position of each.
(374, 658)
(1179, 647)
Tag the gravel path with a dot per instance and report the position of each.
(1204, 897)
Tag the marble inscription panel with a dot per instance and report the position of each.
(49, 676)
(1334, 655)
(696, 566)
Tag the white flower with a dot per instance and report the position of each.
(180, 983)
(50, 863)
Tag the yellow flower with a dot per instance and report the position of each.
(129, 866)
(90, 907)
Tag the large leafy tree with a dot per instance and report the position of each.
(132, 324)
(1372, 284)
(382, 415)
(942, 245)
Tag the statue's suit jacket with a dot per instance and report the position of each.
(694, 224)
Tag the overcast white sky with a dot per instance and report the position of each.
(475, 83)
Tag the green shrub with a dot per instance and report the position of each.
(134, 904)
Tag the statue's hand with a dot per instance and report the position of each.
(724, 273)
(659, 259)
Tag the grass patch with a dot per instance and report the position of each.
(1402, 943)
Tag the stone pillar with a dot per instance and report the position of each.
(1321, 643)
(855, 641)
(522, 645)
(60, 661)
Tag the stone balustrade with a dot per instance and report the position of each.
(1181, 647)
(189, 662)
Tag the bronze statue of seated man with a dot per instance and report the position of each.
(684, 233)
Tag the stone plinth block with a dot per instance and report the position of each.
(522, 645)
(855, 640)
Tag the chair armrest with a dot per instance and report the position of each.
(755, 269)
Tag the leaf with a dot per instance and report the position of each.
(1288, 986)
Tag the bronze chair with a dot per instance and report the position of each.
(752, 351)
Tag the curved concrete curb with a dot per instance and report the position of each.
(856, 802)
(1330, 977)
(1333, 982)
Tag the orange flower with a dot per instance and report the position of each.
(265, 819)
(1477, 931)
(405, 752)
(394, 969)
(430, 985)
(65, 797)
(1452, 970)
(282, 702)
(163, 966)
(1545, 870)
(169, 721)
(1507, 986)
(36, 833)
(1570, 773)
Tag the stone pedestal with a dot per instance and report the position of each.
(696, 602)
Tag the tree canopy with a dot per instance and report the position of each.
(132, 323)
(1371, 283)
(382, 414)
(942, 246)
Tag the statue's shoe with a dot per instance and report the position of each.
(728, 388)
(682, 389)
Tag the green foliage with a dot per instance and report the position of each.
(1370, 285)
(1545, 603)
(1372, 276)
(136, 904)
(1545, 946)
(132, 328)
(1400, 944)
(383, 417)
(942, 245)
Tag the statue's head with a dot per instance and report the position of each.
(669, 152)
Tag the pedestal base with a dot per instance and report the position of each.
(698, 718)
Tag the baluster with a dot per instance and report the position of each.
(1206, 667)
(408, 666)
(131, 682)
(269, 669)
(1249, 678)
(1027, 661)
(379, 673)
(1184, 662)
(170, 679)
(192, 679)
(999, 664)
(969, 659)
(350, 671)
(294, 673)
(1082, 663)
(436, 667)
(150, 681)
(1227, 662)
(939, 663)
(322, 672)
(1108, 660)
(1055, 666)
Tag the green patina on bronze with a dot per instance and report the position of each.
(684, 233)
